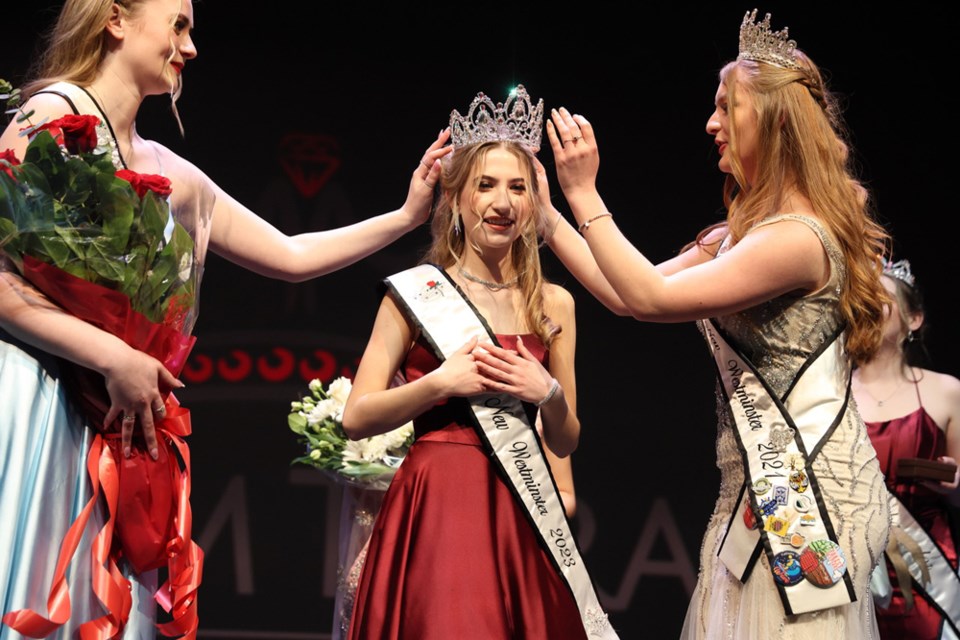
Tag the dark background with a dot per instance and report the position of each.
(376, 85)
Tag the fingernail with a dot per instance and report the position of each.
(126, 452)
(180, 384)
(154, 453)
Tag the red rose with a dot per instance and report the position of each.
(11, 159)
(77, 133)
(143, 182)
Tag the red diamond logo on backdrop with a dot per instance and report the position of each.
(309, 159)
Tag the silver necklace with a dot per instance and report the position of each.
(493, 286)
(880, 402)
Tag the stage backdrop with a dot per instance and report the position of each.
(315, 117)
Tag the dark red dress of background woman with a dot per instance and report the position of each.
(915, 435)
(452, 556)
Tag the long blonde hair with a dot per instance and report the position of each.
(449, 244)
(801, 146)
(77, 44)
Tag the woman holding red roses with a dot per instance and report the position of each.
(104, 58)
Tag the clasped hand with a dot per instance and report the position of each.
(137, 384)
(483, 368)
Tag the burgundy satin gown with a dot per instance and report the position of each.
(451, 554)
(914, 435)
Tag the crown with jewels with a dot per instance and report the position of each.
(899, 270)
(515, 120)
(760, 44)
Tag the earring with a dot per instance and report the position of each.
(910, 336)
(456, 222)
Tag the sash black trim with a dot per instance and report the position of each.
(944, 618)
(798, 440)
(811, 359)
(491, 454)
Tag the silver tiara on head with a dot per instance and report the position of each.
(760, 44)
(515, 120)
(899, 270)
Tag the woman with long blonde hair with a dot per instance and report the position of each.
(485, 343)
(102, 59)
(788, 297)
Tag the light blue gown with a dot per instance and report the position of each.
(43, 450)
(44, 442)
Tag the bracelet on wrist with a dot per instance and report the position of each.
(554, 386)
(586, 225)
(553, 230)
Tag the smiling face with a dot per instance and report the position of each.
(733, 125)
(156, 37)
(495, 204)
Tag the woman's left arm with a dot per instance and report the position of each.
(242, 237)
(946, 404)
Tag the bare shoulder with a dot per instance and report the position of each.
(39, 108)
(942, 384)
(791, 248)
(557, 300)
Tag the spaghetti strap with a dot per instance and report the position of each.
(916, 387)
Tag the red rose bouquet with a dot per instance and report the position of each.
(103, 245)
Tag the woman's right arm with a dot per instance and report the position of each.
(574, 252)
(373, 407)
(134, 380)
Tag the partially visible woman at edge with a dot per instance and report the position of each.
(911, 413)
(801, 519)
(452, 554)
(103, 58)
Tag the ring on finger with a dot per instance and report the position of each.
(129, 418)
(159, 408)
(575, 139)
(424, 164)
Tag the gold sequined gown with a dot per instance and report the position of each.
(778, 337)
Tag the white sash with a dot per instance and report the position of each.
(944, 586)
(447, 321)
(778, 442)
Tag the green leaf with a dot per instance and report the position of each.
(79, 182)
(46, 154)
(8, 233)
(297, 423)
(118, 203)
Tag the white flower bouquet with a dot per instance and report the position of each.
(318, 420)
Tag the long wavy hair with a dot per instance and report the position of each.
(457, 186)
(78, 43)
(801, 147)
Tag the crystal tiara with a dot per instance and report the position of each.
(760, 44)
(515, 120)
(899, 270)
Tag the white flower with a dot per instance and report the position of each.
(323, 410)
(339, 389)
(315, 386)
(353, 451)
(315, 454)
(374, 448)
(395, 439)
(365, 450)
